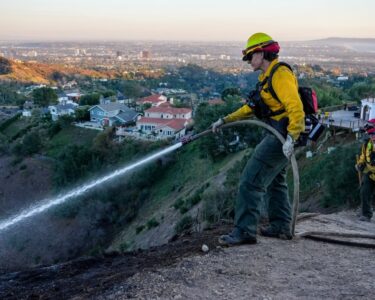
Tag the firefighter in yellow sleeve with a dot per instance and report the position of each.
(265, 172)
(366, 165)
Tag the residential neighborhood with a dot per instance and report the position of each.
(152, 118)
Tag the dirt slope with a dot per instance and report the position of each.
(272, 269)
(23, 71)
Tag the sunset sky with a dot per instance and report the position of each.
(198, 20)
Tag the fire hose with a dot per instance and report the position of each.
(315, 235)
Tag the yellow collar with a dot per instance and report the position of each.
(268, 71)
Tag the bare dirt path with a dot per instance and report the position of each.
(272, 269)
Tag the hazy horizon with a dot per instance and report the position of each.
(182, 20)
(164, 41)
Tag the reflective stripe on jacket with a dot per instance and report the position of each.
(285, 86)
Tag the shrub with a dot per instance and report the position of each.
(185, 224)
(218, 205)
(139, 229)
(5, 66)
(152, 223)
(124, 246)
(178, 203)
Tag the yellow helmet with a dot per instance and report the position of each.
(258, 42)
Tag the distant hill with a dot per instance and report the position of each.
(355, 44)
(34, 72)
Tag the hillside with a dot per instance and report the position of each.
(33, 72)
(170, 209)
(355, 44)
(272, 269)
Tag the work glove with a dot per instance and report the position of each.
(360, 167)
(288, 147)
(216, 125)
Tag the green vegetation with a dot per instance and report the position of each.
(184, 205)
(185, 224)
(186, 176)
(44, 96)
(139, 229)
(90, 99)
(333, 175)
(5, 66)
(70, 135)
(14, 125)
(152, 223)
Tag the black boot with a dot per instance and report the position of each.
(237, 237)
(272, 231)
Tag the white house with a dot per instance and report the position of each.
(165, 121)
(61, 110)
(28, 106)
(162, 128)
(368, 109)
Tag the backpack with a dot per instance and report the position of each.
(307, 94)
(313, 129)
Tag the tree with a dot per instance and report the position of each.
(82, 113)
(108, 93)
(74, 162)
(90, 99)
(30, 144)
(230, 92)
(44, 96)
(132, 89)
(5, 66)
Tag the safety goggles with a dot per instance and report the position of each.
(248, 52)
(248, 57)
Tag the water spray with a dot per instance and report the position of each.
(48, 203)
(317, 235)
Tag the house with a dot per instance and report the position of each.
(64, 99)
(368, 109)
(162, 128)
(154, 100)
(165, 111)
(165, 121)
(113, 113)
(74, 96)
(62, 110)
(28, 106)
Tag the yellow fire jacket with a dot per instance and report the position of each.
(365, 158)
(285, 86)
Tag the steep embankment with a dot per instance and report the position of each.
(23, 183)
(178, 200)
(276, 269)
(43, 73)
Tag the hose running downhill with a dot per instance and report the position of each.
(315, 235)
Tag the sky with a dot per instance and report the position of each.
(185, 20)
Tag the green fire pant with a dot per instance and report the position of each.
(264, 176)
(366, 193)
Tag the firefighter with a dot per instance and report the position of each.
(265, 172)
(366, 166)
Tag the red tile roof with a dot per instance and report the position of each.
(176, 124)
(151, 99)
(168, 109)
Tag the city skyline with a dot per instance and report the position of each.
(184, 20)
